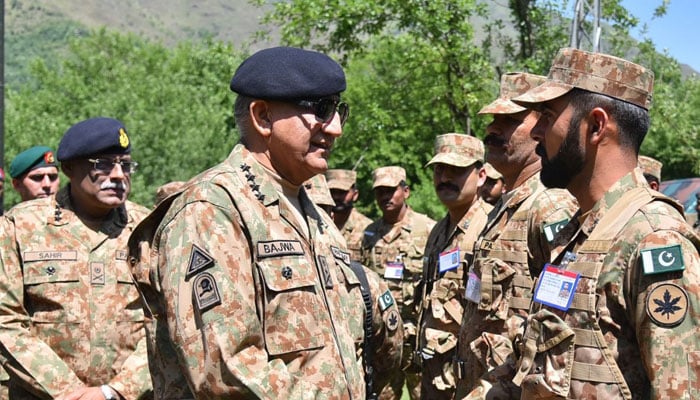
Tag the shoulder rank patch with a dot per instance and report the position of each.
(662, 259)
(205, 291)
(276, 248)
(386, 300)
(551, 230)
(667, 305)
(199, 261)
(391, 320)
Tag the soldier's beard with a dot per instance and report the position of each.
(343, 207)
(558, 171)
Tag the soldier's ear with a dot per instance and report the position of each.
(598, 120)
(260, 117)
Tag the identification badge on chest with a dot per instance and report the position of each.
(556, 287)
(449, 260)
(393, 270)
(473, 289)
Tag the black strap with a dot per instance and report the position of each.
(367, 350)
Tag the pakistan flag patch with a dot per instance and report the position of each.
(386, 300)
(551, 230)
(662, 259)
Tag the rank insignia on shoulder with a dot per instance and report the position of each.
(386, 300)
(667, 305)
(662, 259)
(199, 261)
(551, 230)
(391, 320)
(205, 291)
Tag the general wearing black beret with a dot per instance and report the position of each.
(94, 136)
(283, 73)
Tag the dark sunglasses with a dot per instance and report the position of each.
(106, 166)
(324, 109)
(40, 177)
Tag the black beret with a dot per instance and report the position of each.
(282, 73)
(94, 136)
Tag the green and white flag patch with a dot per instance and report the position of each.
(386, 300)
(663, 259)
(552, 229)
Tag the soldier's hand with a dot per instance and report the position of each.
(87, 393)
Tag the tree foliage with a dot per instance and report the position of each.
(175, 104)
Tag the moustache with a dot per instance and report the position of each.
(341, 207)
(448, 186)
(492, 140)
(106, 185)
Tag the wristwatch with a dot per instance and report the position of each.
(108, 392)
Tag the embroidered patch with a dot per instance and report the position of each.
(120, 255)
(386, 300)
(341, 255)
(551, 230)
(205, 291)
(662, 259)
(49, 255)
(327, 278)
(391, 320)
(276, 248)
(486, 245)
(97, 274)
(199, 261)
(667, 305)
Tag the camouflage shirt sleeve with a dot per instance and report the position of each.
(134, 378)
(41, 375)
(551, 210)
(221, 350)
(665, 310)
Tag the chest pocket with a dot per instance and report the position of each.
(293, 312)
(49, 286)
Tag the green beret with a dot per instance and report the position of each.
(35, 157)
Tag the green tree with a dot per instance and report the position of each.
(175, 103)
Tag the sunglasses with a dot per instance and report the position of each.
(40, 177)
(324, 109)
(106, 166)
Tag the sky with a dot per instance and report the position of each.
(678, 31)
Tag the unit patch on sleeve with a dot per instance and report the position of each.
(199, 261)
(205, 291)
(667, 305)
(386, 300)
(551, 230)
(662, 259)
(391, 320)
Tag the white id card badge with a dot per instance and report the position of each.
(449, 260)
(556, 287)
(473, 290)
(393, 270)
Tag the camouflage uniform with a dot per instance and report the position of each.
(631, 329)
(443, 304)
(402, 243)
(514, 243)
(650, 166)
(247, 301)
(70, 313)
(353, 231)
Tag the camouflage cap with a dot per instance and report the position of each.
(595, 72)
(650, 166)
(318, 191)
(388, 176)
(513, 84)
(491, 172)
(457, 149)
(341, 179)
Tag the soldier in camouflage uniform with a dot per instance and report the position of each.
(515, 242)
(651, 168)
(351, 222)
(34, 173)
(380, 343)
(393, 247)
(456, 176)
(493, 187)
(616, 315)
(71, 321)
(244, 276)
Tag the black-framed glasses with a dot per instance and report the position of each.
(38, 178)
(105, 165)
(324, 109)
